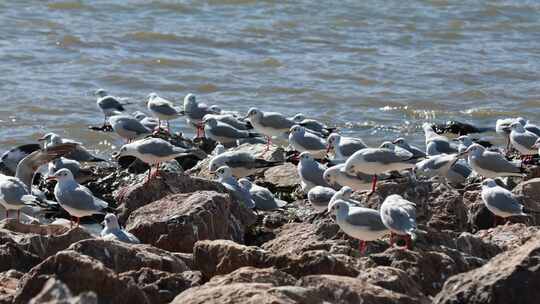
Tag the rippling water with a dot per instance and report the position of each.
(376, 68)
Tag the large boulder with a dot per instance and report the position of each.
(177, 221)
(339, 289)
(56, 292)
(282, 178)
(121, 257)
(133, 197)
(8, 285)
(529, 192)
(161, 286)
(80, 273)
(508, 236)
(511, 277)
(13, 257)
(253, 275)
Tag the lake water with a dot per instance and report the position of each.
(378, 69)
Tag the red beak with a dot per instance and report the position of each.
(51, 178)
(328, 148)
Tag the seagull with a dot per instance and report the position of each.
(222, 132)
(442, 166)
(241, 163)
(343, 147)
(361, 223)
(80, 174)
(336, 175)
(150, 123)
(375, 161)
(128, 128)
(239, 193)
(270, 124)
(14, 195)
(195, 112)
(79, 154)
(399, 216)
(501, 202)
(76, 199)
(230, 120)
(11, 158)
(319, 197)
(345, 193)
(502, 127)
(522, 140)
(490, 164)
(113, 231)
(529, 126)
(312, 125)
(464, 142)
(416, 152)
(435, 143)
(152, 151)
(108, 104)
(303, 141)
(311, 172)
(219, 149)
(263, 198)
(162, 109)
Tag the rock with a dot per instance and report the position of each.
(395, 280)
(253, 275)
(121, 257)
(430, 269)
(511, 277)
(41, 240)
(508, 236)
(528, 192)
(479, 215)
(56, 292)
(251, 293)
(177, 221)
(282, 178)
(476, 246)
(141, 194)
(447, 210)
(13, 257)
(322, 262)
(80, 273)
(8, 285)
(338, 289)
(163, 287)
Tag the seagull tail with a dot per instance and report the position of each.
(262, 163)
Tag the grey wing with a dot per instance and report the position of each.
(533, 128)
(384, 156)
(240, 160)
(12, 191)
(504, 201)
(164, 108)
(495, 162)
(82, 199)
(462, 169)
(367, 218)
(417, 153)
(525, 139)
(264, 199)
(126, 237)
(440, 161)
(352, 145)
(224, 130)
(312, 142)
(444, 146)
(277, 121)
(156, 147)
(134, 125)
(109, 102)
(314, 173)
(399, 218)
(321, 194)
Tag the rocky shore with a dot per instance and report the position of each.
(199, 245)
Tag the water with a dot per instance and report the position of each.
(378, 69)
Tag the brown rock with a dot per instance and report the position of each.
(56, 292)
(8, 285)
(476, 246)
(282, 178)
(395, 280)
(251, 293)
(529, 192)
(80, 273)
(508, 236)
(322, 262)
(162, 287)
(511, 277)
(177, 221)
(253, 275)
(447, 210)
(13, 257)
(122, 257)
(134, 197)
(338, 289)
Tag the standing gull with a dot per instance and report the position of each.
(76, 199)
(445, 167)
(230, 120)
(270, 124)
(319, 197)
(79, 153)
(435, 143)
(241, 163)
(128, 128)
(522, 140)
(239, 193)
(399, 216)
(312, 125)
(162, 109)
(108, 104)
(263, 198)
(464, 142)
(490, 164)
(195, 112)
(529, 126)
(113, 231)
(81, 174)
(11, 158)
(336, 175)
(343, 147)
(402, 143)
(14, 195)
(502, 127)
(224, 133)
(303, 141)
(150, 123)
(501, 202)
(311, 172)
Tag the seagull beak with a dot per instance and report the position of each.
(116, 155)
(41, 139)
(52, 177)
(328, 148)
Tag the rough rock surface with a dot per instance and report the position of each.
(56, 292)
(176, 222)
(511, 277)
(8, 285)
(253, 275)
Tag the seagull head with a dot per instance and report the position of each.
(521, 120)
(332, 141)
(100, 93)
(125, 150)
(387, 145)
(296, 129)
(516, 126)
(61, 175)
(139, 115)
(537, 144)
(224, 172)
(245, 183)
(299, 117)
(337, 205)
(48, 137)
(209, 120)
(400, 141)
(111, 221)
(329, 176)
(472, 149)
(190, 100)
(215, 109)
(306, 156)
(427, 127)
(253, 113)
(151, 97)
(489, 183)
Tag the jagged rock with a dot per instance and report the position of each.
(177, 221)
(56, 292)
(529, 192)
(80, 273)
(429, 268)
(161, 286)
(508, 236)
(511, 277)
(133, 197)
(395, 280)
(8, 285)
(282, 178)
(447, 209)
(41, 240)
(13, 257)
(253, 275)
(339, 289)
(251, 293)
(476, 246)
(121, 257)
(322, 262)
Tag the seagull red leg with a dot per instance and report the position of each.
(18, 215)
(362, 247)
